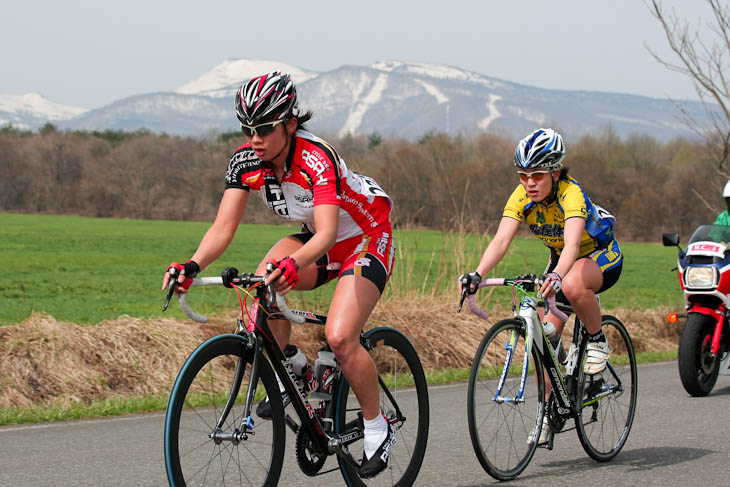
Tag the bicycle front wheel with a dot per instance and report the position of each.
(403, 397)
(197, 453)
(505, 421)
(609, 398)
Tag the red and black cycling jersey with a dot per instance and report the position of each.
(314, 175)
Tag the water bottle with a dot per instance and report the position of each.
(555, 341)
(299, 365)
(325, 369)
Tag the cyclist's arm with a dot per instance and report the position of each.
(221, 232)
(326, 221)
(573, 233)
(498, 246)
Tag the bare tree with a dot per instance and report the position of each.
(703, 56)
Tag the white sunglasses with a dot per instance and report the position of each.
(262, 129)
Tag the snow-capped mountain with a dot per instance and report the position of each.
(219, 81)
(391, 97)
(33, 110)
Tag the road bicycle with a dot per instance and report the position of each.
(506, 407)
(212, 438)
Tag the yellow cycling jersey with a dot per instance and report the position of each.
(548, 221)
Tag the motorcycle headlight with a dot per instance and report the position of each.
(700, 277)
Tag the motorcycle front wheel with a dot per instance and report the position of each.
(698, 369)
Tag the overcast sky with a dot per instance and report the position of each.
(88, 53)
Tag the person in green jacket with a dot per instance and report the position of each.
(724, 218)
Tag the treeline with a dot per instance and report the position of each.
(438, 181)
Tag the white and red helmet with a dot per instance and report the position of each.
(266, 98)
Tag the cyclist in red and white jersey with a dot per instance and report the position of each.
(345, 219)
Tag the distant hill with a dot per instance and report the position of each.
(393, 98)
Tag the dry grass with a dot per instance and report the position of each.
(47, 362)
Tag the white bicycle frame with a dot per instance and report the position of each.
(528, 313)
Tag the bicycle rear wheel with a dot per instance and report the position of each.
(192, 456)
(403, 399)
(609, 398)
(504, 429)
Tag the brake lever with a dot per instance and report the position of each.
(272, 294)
(463, 297)
(170, 287)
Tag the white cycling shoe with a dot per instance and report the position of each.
(596, 357)
(545, 433)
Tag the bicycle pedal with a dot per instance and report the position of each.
(547, 444)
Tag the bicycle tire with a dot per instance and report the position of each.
(604, 423)
(698, 369)
(501, 431)
(201, 389)
(400, 368)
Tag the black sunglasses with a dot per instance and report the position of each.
(262, 129)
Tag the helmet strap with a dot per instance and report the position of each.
(286, 144)
(553, 191)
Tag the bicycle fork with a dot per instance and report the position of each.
(527, 315)
(247, 423)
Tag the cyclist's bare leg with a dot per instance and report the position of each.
(580, 286)
(307, 279)
(354, 299)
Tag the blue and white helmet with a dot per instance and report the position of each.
(542, 149)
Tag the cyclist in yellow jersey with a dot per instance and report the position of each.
(585, 259)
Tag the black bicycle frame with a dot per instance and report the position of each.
(563, 393)
(266, 341)
(566, 395)
(259, 339)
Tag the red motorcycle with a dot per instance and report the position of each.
(704, 273)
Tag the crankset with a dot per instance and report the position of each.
(557, 420)
(310, 458)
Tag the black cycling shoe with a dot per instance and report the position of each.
(379, 460)
(263, 410)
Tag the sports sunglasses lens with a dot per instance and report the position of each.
(264, 130)
(247, 131)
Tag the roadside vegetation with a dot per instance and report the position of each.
(442, 182)
(85, 335)
(89, 221)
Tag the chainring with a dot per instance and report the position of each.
(557, 421)
(310, 459)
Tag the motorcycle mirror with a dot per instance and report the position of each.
(670, 239)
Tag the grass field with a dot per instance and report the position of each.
(85, 270)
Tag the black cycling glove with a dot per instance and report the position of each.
(470, 282)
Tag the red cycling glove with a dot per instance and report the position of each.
(289, 269)
(189, 269)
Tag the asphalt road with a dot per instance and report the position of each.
(675, 440)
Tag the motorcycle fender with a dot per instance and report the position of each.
(719, 317)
